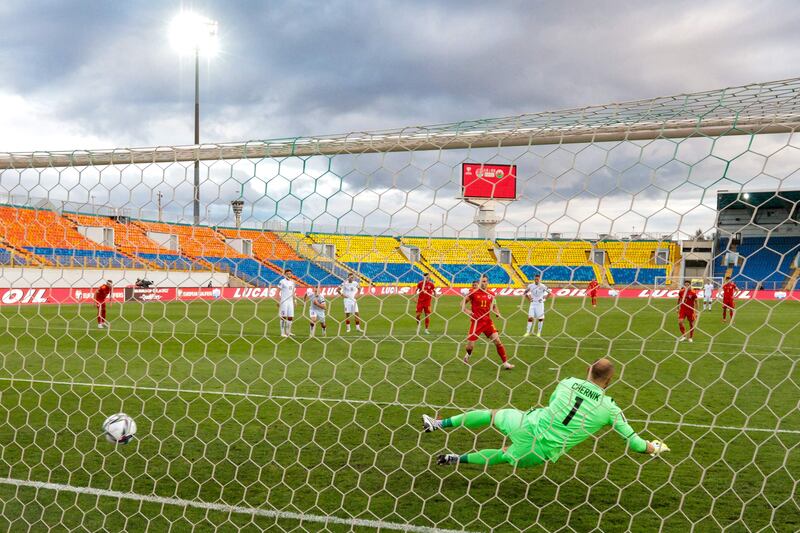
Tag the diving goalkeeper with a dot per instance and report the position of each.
(578, 409)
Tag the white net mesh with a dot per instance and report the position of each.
(241, 429)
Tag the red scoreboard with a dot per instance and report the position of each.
(482, 180)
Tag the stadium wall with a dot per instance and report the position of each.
(22, 277)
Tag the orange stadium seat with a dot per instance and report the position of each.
(195, 241)
(25, 227)
(266, 245)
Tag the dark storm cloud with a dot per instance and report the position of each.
(100, 74)
(302, 68)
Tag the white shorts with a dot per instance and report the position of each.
(350, 306)
(536, 310)
(286, 310)
(318, 316)
(708, 299)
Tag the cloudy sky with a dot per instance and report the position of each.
(98, 74)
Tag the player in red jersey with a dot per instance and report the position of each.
(687, 297)
(482, 304)
(592, 290)
(100, 297)
(728, 290)
(425, 291)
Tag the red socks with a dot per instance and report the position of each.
(501, 351)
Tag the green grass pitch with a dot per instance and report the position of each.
(231, 414)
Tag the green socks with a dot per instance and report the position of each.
(484, 457)
(476, 420)
(470, 420)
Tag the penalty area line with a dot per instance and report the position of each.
(309, 399)
(221, 507)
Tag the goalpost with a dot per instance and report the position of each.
(698, 282)
(240, 429)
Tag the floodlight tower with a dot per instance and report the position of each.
(191, 33)
(238, 206)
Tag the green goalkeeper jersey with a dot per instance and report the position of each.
(577, 410)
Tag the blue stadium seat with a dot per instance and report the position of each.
(9, 257)
(247, 269)
(581, 274)
(68, 257)
(641, 276)
(388, 272)
(766, 262)
(172, 261)
(309, 272)
(462, 274)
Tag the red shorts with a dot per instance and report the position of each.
(424, 306)
(688, 314)
(483, 326)
(730, 304)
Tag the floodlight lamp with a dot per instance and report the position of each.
(191, 32)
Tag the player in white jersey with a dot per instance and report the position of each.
(286, 292)
(536, 293)
(708, 291)
(317, 311)
(349, 290)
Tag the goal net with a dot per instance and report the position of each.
(248, 421)
(697, 282)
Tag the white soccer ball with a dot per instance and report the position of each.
(119, 428)
(613, 292)
(780, 295)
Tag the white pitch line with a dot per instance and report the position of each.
(708, 426)
(223, 508)
(564, 341)
(405, 405)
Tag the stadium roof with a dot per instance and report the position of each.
(757, 199)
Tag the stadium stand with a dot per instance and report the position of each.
(309, 272)
(41, 237)
(195, 241)
(572, 274)
(460, 261)
(267, 246)
(378, 259)
(247, 269)
(78, 258)
(464, 274)
(48, 235)
(204, 245)
(130, 238)
(634, 262)
(641, 276)
(275, 255)
(12, 258)
(765, 261)
(26, 227)
(554, 260)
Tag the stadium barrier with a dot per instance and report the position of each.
(57, 295)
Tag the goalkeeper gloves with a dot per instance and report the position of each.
(658, 448)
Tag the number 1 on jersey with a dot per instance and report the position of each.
(571, 415)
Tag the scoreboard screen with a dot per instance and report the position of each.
(482, 180)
